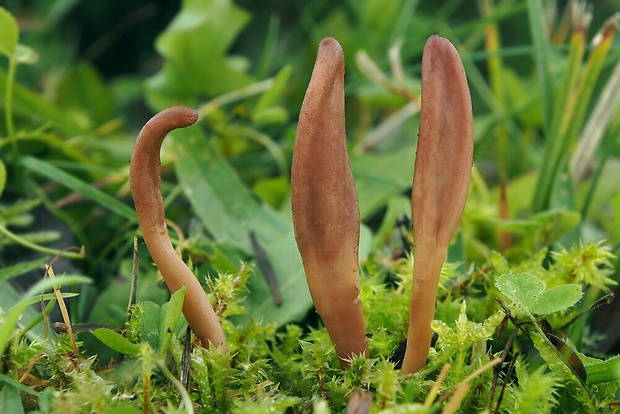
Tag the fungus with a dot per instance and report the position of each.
(441, 179)
(144, 178)
(325, 208)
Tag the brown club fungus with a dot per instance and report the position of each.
(440, 182)
(144, 178)
(325, 208)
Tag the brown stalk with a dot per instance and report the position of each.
(325, 208)
(441, 180)
(144, 178)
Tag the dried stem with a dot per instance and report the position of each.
(145, 187)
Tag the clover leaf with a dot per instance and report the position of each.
(529, 293)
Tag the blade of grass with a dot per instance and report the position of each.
(538, 31)
(21, 268)
(565, 102)
(22, 241)
(105, 200)
(495, 67)
(582, 96)
(593, 131)
(22, 387)
(590, 76)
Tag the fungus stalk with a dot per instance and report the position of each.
(441, 179)
(325, 208)
(144, 178)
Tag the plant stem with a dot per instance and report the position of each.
(36, 247)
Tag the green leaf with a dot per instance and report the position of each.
(218, 196)
(605, 371)
(229, 212)
(9, 33)
(522, 289)
(116, 341)
(170, 319)
(556, 299)
(148, 315)
(296, 301)
(83, 94)
(38, 107)
(528, 293)
(379, 177)
(266, 110)
(194, 47)
(10, 399)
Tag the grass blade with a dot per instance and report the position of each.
(105, 200)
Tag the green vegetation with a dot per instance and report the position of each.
(522, 321)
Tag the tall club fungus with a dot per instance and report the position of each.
(440, 183)
(326, 214)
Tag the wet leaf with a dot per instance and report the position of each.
(9, 33)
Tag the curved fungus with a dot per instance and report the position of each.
(325, 208)
(144, 178)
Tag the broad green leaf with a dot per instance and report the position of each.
(218, 196)
(39, 108)
(379, 177)
(148, 315)
(522, 289)
(170, 318)
(103, 199)
(10, 398)
(229, 212)
(116, 341)
(556, 299)
(286, 262)
(272, 190)
(9, 33)
(84, 96)
(194, 47)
